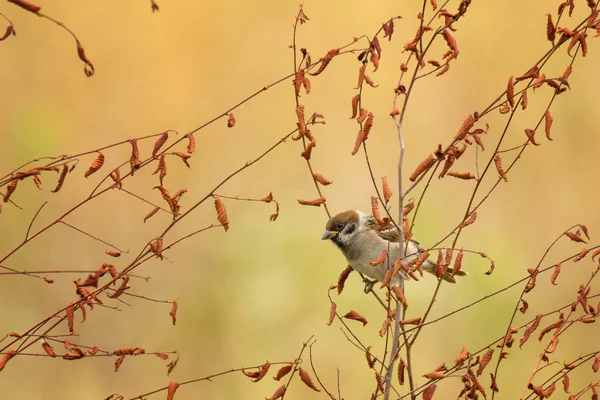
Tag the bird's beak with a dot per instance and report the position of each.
(329, 235)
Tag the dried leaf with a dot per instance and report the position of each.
(574, 237)
(547, 123)
(381, 258)
(278, 393)
(355, 101)
(171, 389)
(118, 362)
(305, 377)
(191, 147)
(461, 358)
(353, 315)
(342, 278)
(151, 213)
(332, 311)
(524, 307)
(221, 213)
(315, 202)
(387, 192)
(48, 349)
(422, 167)
(498, 163)
(462, 175)
(400, 295)
(428, 392)
(401, 370)
(134, 160)
(510, 91)
(159, 143)
(230, 120)
(472, 218)
(550, 28)
(464, 128)
(370, 358)
(96, 165)
(485, 360)
(283, 371)
(173, 312)
(531, 136)
(321, 179)
(70, 312)
(326, 60)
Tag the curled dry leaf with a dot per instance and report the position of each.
(326, 60)
(457, 263)
(7, 356)
(316, 202)
(321, 179)
(221, 213)
(581, 255)
(230, 120)
(400, 295)
(504, 108)
(422, 167)
(461, 358)
(447, 165)
(159, 143)
(88, 69)
(171, 389)
(531, 136)
(510, 91)
(435, 375)
(370, 358)
(96, 165)
(332, 311)
(550, 28)
(353, 315)
(262, 371)
(472, 218)
(61, 178)
(278, 393)
(48, 349)
(161, 167)
(173, 312)
(151, 213)
(462, 175)
(485, 360)
(118, 362)
(305, 377)
(524, 100)
(283, 371)
(464, 128)
(342, 278)
(524, 307)
(428, 392)
(547, 123)
(70, 312)
(355, 101)
(574, 237)
(113, 253)
(191, 147)
(298, 79)
(498, 163)
(387, 192)
(565, 382)
(134, 160)
(411, 321)
(380, 258)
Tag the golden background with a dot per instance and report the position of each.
(259, 290)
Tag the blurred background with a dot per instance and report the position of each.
(259, 291)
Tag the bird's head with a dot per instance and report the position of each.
(341, 227)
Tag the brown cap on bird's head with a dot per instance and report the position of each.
(337, 223)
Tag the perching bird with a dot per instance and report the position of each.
(358, 237)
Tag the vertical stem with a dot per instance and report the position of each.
(397, 327)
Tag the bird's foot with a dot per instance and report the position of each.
(369, 284)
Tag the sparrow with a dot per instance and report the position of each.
(358, 236)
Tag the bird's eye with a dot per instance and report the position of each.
(340, 226)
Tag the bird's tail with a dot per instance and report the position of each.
(429, 266)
